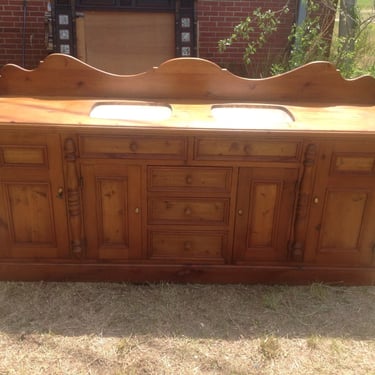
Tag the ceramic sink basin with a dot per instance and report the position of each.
(251, 115)
(131, 112)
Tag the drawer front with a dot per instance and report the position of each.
(246, 149)
(188, 211)
(187, 245)
(26, 156)
(346, 163)
(133, 147)
(27, 149)
(197, 179)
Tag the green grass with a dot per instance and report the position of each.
(365, 4)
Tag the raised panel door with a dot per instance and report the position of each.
(265, 207)
(112, 210)
(33, 219)
(341, 228)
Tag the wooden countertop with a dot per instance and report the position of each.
(68, 112)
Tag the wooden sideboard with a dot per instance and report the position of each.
(191, 197)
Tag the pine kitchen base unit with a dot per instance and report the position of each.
(186, 173)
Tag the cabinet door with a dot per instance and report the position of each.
(341, 228)
(33, 221)
(112, 210)
(265, 206)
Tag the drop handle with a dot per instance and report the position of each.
(60, 193)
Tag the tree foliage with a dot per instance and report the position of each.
(310, 40)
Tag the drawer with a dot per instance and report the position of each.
(133, 147)
(188, 178)
(33, 156)
(199, 211)
(358, 163)
(186, 245)
(28, 149)
(246, 149)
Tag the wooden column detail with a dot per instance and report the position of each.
(303, 203)
(74, 198)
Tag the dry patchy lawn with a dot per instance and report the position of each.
(88, 328)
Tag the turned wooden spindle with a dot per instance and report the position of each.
(73, 197)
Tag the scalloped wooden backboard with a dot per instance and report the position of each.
(186, 78)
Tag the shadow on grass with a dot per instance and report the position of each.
(227, 312)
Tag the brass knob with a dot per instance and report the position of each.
(60, 193)
(316, 200)
(240, 212)
(137, 210)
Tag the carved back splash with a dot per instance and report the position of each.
(186, 78)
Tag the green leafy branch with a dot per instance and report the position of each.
(261, 24)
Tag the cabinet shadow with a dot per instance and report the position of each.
(227, 312)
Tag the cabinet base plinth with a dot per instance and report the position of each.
(138, 273)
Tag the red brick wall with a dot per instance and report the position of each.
(12, 48)
(216, 19)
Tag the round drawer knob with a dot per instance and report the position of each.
(189, 180)
(248, 149)
(133, 147)
(240, 212)
(187, 211)
(187, 245)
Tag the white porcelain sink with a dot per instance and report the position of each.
(131, 112)
(251, 116)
